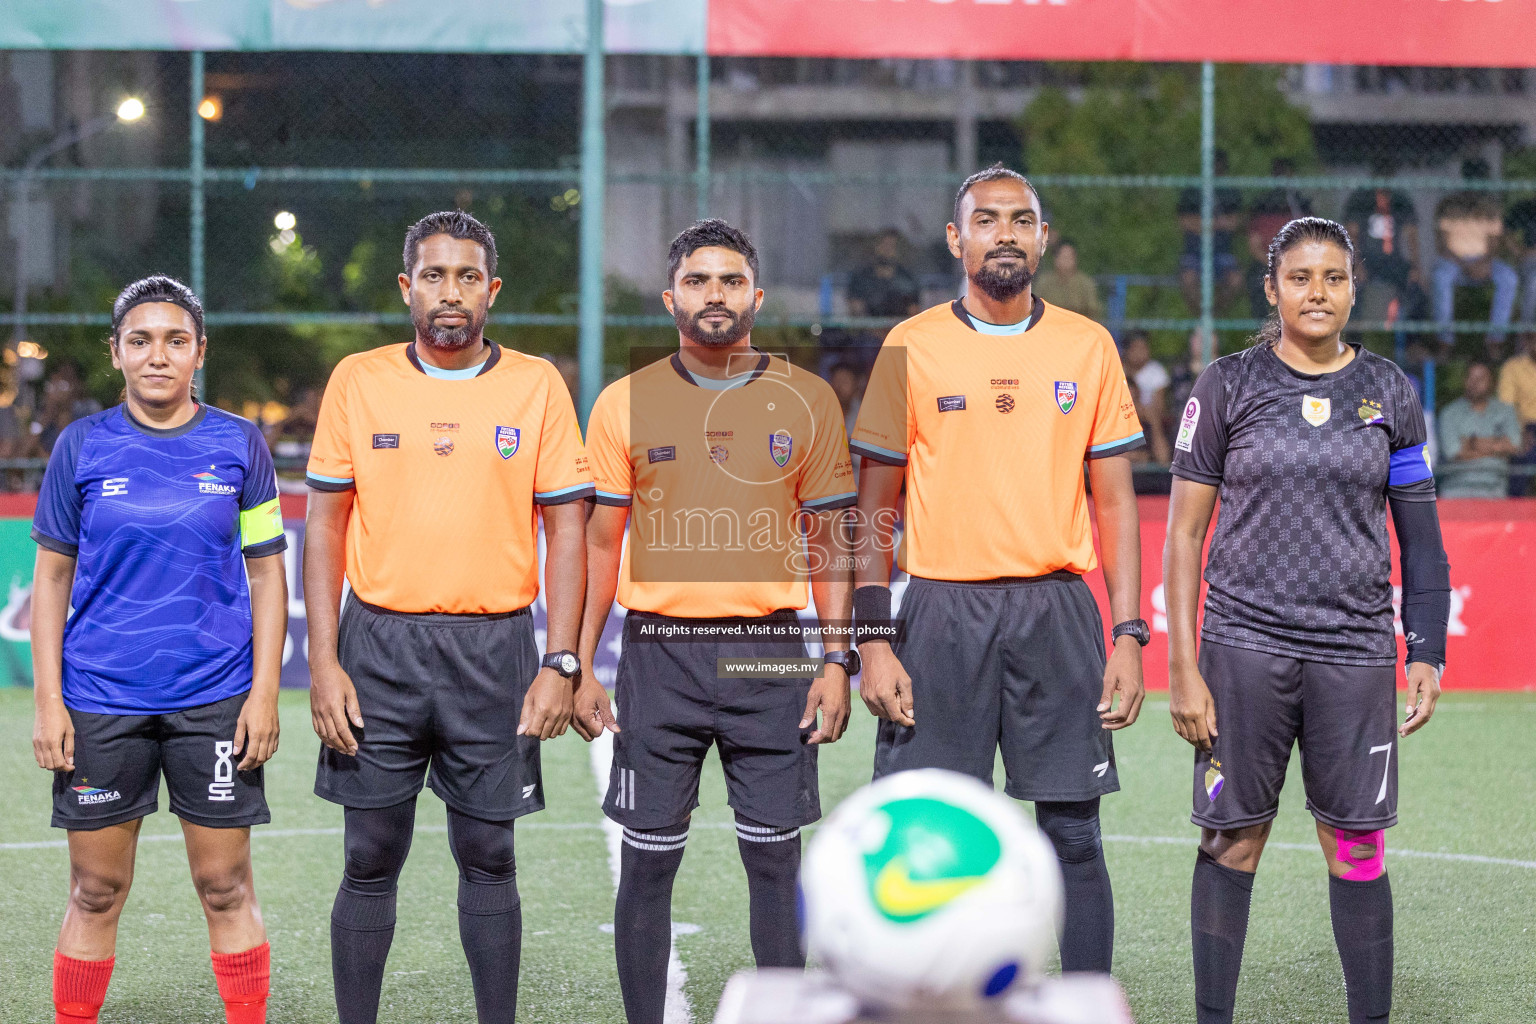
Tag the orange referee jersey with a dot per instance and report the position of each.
(447, 474)
(716, 474)
(993, 430)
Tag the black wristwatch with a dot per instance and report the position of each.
(564, 662)
(850, 661)
(1137, 628)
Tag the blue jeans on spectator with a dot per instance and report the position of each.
(1450, 273)
(1528, 299)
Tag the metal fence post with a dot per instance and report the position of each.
(593, 161)
(196, 217)
(1207, 210)
(701, 139)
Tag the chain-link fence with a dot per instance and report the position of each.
(280, 185)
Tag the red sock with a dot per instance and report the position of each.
(79, 988)
(243, 983)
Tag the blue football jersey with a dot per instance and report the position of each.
(160, 521)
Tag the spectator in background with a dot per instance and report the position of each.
(1470, 225)
(1517, 386)
(1274, 209)
(64, 401)
(1520, 220)
(1149, 386)
(1384, 227)
(847, 380)
(1181, 381)
(884, 287)
(1478, 435)
(1225, 216)
(1065, 284)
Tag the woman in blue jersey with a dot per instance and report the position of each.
(158, 523)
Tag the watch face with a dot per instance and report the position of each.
(569, 664)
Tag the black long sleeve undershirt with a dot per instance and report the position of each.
(1426, 609)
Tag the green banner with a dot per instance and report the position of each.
(455, 26)
(17, 553)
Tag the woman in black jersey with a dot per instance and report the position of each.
(1306, 438)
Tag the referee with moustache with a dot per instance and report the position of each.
(430, 464)
(986, 409)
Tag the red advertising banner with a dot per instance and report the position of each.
(1491, 545)
(1476, 33)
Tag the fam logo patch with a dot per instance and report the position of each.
(780, 446)
(386, 440)
(1214, 780)
(1369, 411)
(507, 440)
(208, 483)
(1066, 395)
(667, 454)
(1316, 410)
(1191, 419)
(1004, 403)
(952, 403)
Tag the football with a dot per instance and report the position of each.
(927, 890)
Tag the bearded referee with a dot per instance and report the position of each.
(431, 463)
(986, 409)
(727, 468)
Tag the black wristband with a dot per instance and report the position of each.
(871, 613)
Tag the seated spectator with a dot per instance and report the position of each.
(1384, 227)
(1470, 225)
(1181, 381)
(1521, 222)
(1517, 386)
(1228, 208)
(1149, 387)
(1067, 286)
(1478, 434)
(884, 288)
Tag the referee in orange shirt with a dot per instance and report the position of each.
(431, 463)
(986, 408)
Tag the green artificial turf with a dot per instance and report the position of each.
(1466, 930)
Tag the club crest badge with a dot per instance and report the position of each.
(1213, 780)
(1370, 411)
(1066, 395)
(780, 446)
(507, 440)
(1315, 410)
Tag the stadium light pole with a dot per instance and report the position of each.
(196, 211)
(701, 138)
(593, 169)
(128, 111)
(1207, 211)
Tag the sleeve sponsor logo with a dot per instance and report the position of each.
(952, 403)
(386, 440)
(1187, 425)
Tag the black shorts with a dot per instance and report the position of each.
(119, 759)
(672, 705)
(1343, 716)
(440, 696)
(1016, 664)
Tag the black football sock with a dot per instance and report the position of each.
(1362, 928)
(772, 859)
(490, 912)
(642, 918)
(1088, 931)
(363, 917)
(1218, 914)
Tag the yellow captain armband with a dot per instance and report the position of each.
(261, 524)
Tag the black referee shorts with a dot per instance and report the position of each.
(440, 696)
(1343, 716)
(1016, 665)
(119, 759)
(672, 705)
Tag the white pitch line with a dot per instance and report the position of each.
(286, 833)
(677, 1009)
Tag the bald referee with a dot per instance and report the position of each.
(430, 463)
(986, 409)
